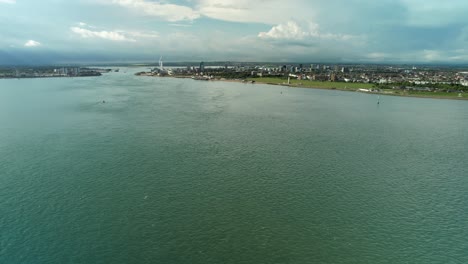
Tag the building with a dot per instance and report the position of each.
(202, 67)
(464, 82)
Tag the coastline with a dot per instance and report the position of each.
(375, 93)
(253, 81)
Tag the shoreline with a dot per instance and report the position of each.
(320, 88)
(370, 93)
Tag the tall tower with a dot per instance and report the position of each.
(161, 68)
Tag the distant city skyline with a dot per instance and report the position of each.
(129, 31)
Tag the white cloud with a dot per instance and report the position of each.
(291, 30)
(7, 1)
(109, 35)
(259, 11)
(115, 35)
(141, 34)
(32, 43)
(84, 25)
(244, 11)
(169, 12)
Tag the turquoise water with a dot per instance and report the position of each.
(182, 171)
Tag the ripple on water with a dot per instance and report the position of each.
(179, 171)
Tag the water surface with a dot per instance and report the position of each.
(183, 171)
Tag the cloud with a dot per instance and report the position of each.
(431, 55)
(115, 35)
(169, 12)
(108, 35)
(296, 30)
(32, 43)
(291, 30)
(259, 11)
(84, 25)
(141, 34)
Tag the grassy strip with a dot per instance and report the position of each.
(314, 84)
(354, 87)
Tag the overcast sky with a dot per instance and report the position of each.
(80, 31)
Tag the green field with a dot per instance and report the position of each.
(353, 87)
(314, 84)
(435, 94)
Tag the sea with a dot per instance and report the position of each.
(127, 169)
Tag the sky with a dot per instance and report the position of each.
(121, 31)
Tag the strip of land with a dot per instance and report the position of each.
(49, 72)
(359, 87)
(433, 81)
(328, 85)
